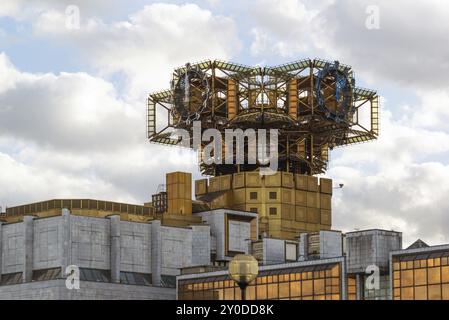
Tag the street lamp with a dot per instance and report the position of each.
(243, 269)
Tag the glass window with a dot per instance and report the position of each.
(273, 211)
(434, 275)
(407, 293)
(273, 195)
(435, 292)
(262, 292)
(307, 288)
(445, 291)
(421, 293)
(284, 290)
(295, 288)
(253, 195)
(420, 276)
(445, 274)
(407, 278)
(273, 291)
(318, 286)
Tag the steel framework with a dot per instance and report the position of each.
(314, 104)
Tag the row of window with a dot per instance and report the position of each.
(272, 195)
(93, 275)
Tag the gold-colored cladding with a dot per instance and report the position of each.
(286, 203)
(179, 193)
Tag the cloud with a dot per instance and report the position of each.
(72, 136)
(397, 182)
(409, 48)
(147, 46)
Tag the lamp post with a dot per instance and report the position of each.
(243, 269)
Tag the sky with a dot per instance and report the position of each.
(75, 75)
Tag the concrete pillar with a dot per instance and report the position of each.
(1, 247)
(156, 252)
(66, 257)
(28, 228)
(303, 247)
(115, 248)
(360, 286)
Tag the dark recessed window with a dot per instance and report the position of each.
(253, 195)
(273, 195)
(11, 278)
(46, 274)
(95, 275)
(253, 210)
(273, 211)
(139, 279)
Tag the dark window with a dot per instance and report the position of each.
(140, 279)
(253, 195)
(273, 195)
(273, 211)
(46, 274)
(11, 278)
(94, 275)
(253, 210)
(168, 281)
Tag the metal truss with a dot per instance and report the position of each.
(300, 99)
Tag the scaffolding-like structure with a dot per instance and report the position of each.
(314, 104)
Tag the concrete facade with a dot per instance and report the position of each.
(108, 245)
(56, 290)
(371, 247)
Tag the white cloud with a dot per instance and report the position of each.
(396, 182)
(147, 46)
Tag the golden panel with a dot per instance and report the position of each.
(325, 201)
(326, 185)
(301, 214)
(313, 200)
(326, 217)
(273, 180)
(253, 179)
(312, 183)
(313, 215)
(214, 184)
(288, 196)
(239, 196)
(200, 187)
(287, 180)
(238, 180)
(288, 212)
(225, 182)
(301, 198)
(301, 181)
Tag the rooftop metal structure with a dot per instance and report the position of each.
(314, 104)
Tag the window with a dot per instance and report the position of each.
(140, 279)
(11, 278)
(168, 281)
(273, 195)
(94, 275)
(253, 195)
(273, 211)
(46, 274)
(253, 210)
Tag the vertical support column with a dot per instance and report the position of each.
(156, 252)
(359, 286)
(66, 257)
(28, 229)
(115, 248)
(1, 247)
